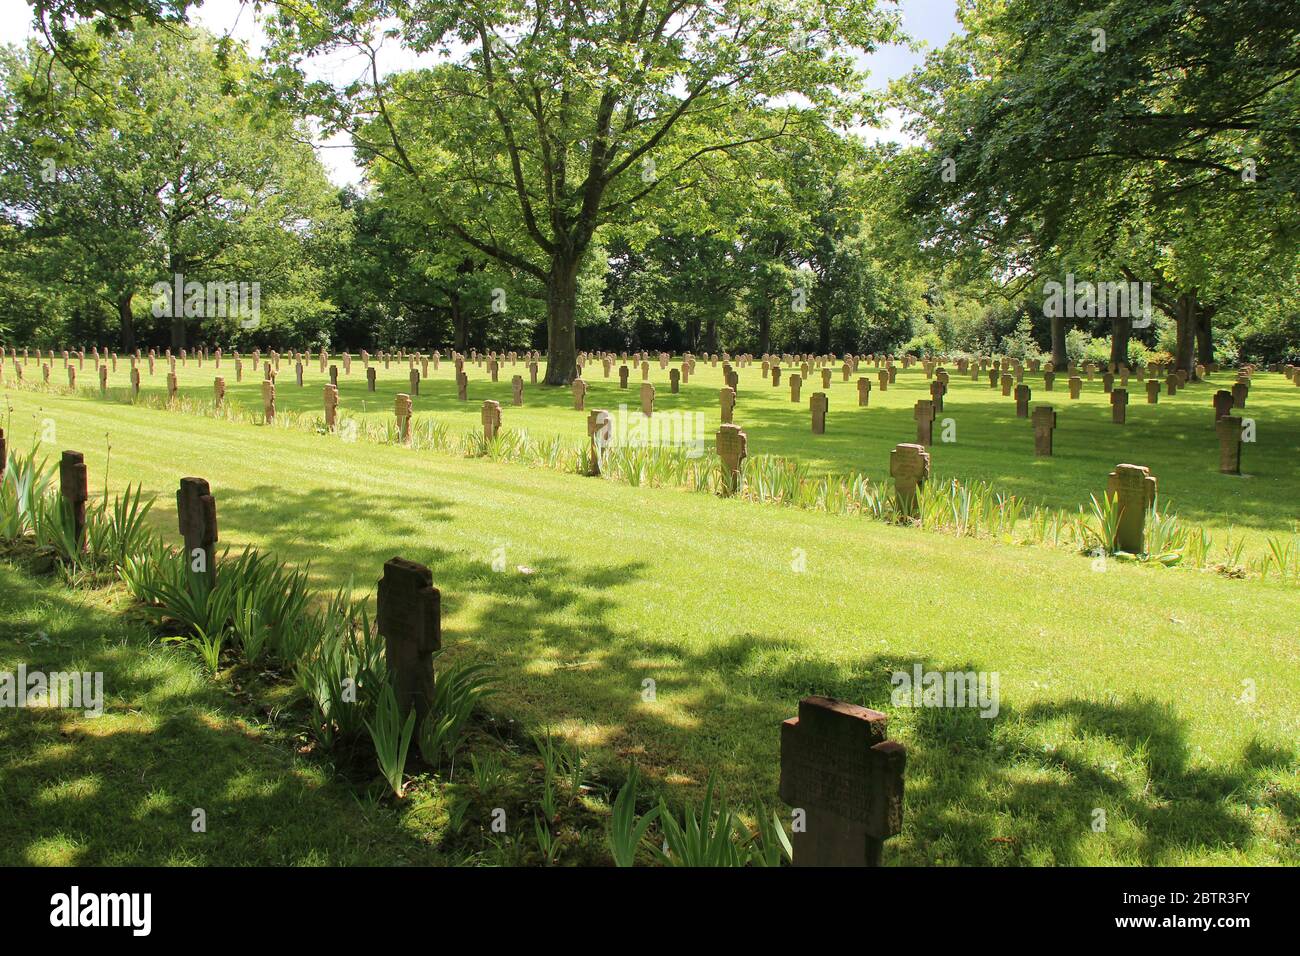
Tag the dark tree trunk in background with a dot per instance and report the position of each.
(764, 315)
(127, 322)
(561, 309)
(177, 263)
(1060, 358)
(1205, 335)
(823, 327)
(457, 322)
(1120, 328)
(711, 335)
(1185, 313)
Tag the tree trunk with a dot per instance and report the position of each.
(1185, 322)
(1060, 357)
(824, 327)
(763, 312)
(1205, 336)
(457, 323)
(127, 321)
(561, 331)
(711, 336)
(1120, 327)
(177, 263)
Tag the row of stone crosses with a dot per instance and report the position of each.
(1008, 373)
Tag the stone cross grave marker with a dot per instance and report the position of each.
(1229, 430)
(218, 391)
(839, 768)
(1239, 392)
(331, 398)
(600, 431)
(268, 401)
(409, 619)
(796, 383)
(727, 403)
(196, 511)
(1118, 405)
(74, 488)
(622, 376)
(909, 466)
(937, 390)
(1008, 381)
(818, 403)
(826, 378)
(1049, 379)
(414, 378)
(402, 411)
(579, 394)
(733, 448)
(924, 415)
(517, 390)
(1044, 421)
(1134, 489)
(491, 418)
(883, 379)
(864, 391)
(674, 380)
(462, 385)
(1171, 385)
(1153, 391)
(1076, 386)
(647, 399)
(1222, 403)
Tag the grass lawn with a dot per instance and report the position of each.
(1175, 438)
(1121, 690)
(121, 788)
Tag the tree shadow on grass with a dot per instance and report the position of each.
(122, 788)
(1018, 788)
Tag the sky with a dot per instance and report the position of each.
(930, 21)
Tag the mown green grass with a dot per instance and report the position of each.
(121, 788)
(1120, 690)
(1175, 438)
